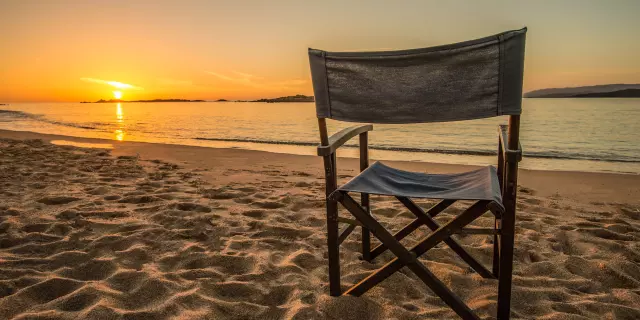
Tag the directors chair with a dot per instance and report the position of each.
(469, 80)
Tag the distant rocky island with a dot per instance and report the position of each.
(153, 100)
(626, 93)
(296, 98)
(599, 91)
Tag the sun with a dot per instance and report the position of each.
(117, 94)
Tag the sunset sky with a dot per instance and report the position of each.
(84, 50)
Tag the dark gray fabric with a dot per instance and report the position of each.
(468, 80)
(319, 79)
(512, 69)
(481, 184)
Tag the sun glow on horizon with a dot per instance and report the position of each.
(117, 94)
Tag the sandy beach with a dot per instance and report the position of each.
(153, 231)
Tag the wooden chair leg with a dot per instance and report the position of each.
(364, 197)
(333, 231)
(496, 250)
(366, 236)
(506, 265)
(508, 222)
(333, 243)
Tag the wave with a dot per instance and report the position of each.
(294, 143)
(530, 154)
(31, 116)
(11, 115)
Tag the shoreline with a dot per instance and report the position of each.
(601, 153)
(578, 185)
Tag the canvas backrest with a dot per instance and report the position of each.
(469, 80)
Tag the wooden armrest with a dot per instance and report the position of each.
(509, 155)
(341, 137)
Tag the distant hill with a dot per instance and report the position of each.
(626, 93)
(599, 91)
(296, 98)
(154, 100)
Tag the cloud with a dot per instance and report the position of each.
(228, 78)
(246, 75)
(255, 81)
(115, 84)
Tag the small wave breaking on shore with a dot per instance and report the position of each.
(36, 117)
(15, 115)
(541, 155)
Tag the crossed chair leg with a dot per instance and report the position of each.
(409, 257)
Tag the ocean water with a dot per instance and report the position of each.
(592, 135)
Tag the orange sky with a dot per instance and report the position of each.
(68, 50)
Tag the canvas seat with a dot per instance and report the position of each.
(480, 184)
(474, 79)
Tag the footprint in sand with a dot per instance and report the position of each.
(112, 197)
(38, 227)
(268, 204)
(222, 194)
(139, 199)
(10, 212)
(98, 191)
(59, 229)
(188, 206)
(607, 234)
(104, 214)
(256, 214)
(631, 213)
(306, 260)
(57, 200)
(67, 214)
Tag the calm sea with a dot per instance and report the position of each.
(557, 134)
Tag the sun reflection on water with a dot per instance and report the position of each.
(120, 120)
(119, 135)
(119, 115)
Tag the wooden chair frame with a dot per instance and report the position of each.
(509, 154)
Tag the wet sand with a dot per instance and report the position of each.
(152, 231)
